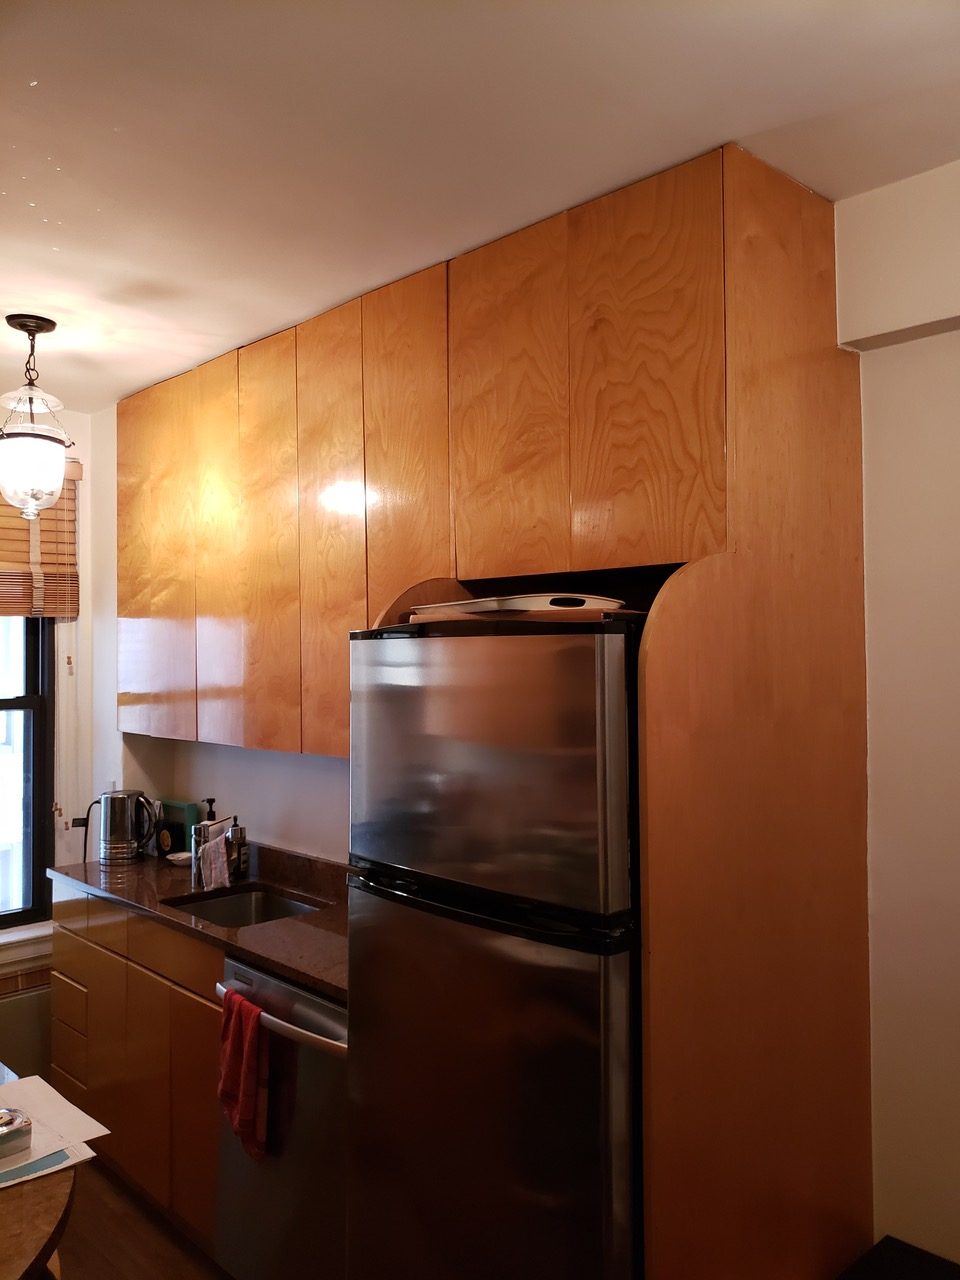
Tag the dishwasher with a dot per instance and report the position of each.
(285, 1215)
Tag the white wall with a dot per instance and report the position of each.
(911, 403)
(897, 257)
(898, 270)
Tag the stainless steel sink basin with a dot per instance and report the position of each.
(240, 905)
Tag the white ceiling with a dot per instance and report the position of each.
(189, 175)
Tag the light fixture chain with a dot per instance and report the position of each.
(30, 368)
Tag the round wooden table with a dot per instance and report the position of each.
(32, 1218)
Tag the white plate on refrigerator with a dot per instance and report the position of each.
(519, 604)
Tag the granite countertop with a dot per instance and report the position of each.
(309, 949)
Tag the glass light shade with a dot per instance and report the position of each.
(32, 463)
(30, 400)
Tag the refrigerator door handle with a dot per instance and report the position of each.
(334, 1048)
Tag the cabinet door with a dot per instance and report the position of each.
(405, 426)
(333, 586)
(270, 566)
(647, 371)
(156, 606)
(509, 417)
(220, 541)
(195, 1118)
(96, 982)
(146, 1146)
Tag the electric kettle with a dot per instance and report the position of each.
(127, 821)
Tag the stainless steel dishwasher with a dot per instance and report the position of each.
(285, 1215)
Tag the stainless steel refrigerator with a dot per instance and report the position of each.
(494, 969)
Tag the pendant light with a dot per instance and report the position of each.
(33, 445)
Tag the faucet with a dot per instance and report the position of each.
(203, 833)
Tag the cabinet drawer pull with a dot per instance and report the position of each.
(335, 1048)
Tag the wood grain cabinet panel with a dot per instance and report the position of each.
(268, 533)
(102, 976)
(156, 606)
(220, 544)
(509, 404)
(647, 465)
(406, 436)
(147, 1083)
(68, 1002)
(195, 1120)
(333, 588)
(185, 960)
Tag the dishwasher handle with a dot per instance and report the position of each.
(335, 1048)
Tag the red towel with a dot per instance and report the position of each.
(244, 1069)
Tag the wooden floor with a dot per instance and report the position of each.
(111, 1236)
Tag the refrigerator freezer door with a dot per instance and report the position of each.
(495, 761)
(489, 1117)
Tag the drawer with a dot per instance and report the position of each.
(71, 1089)
(68, 1051)
(107, 925)
(68, 1002)
(189, 963)
(69, 908)
(70, 957)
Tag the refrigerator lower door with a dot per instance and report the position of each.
(489, 1121)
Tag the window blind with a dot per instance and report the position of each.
(38, 558)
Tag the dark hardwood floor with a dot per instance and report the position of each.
(111, 1236)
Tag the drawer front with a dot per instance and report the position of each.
(69, 908)
(68, 1002)
(198, 966)
(70, 957)
(107, 925)
(71, 1089)
(68, 1051)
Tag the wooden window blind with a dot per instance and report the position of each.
(38, 558)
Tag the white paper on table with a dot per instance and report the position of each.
(73, 1154)
(57, 1126)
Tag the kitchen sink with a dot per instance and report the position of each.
(240, 905)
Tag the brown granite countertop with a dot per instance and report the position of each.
(309, 949)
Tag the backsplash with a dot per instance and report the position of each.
(290, 801)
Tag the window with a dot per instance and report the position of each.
(26, 768)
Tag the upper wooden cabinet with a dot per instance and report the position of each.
(332, 530)
(406, 436)
(587, 384)
(219, 554)
(509, 415)
(552, 401)
(156, 631)
(269, 544)
(647, 463)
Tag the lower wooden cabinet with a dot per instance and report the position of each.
(195, 1131)
(88, 1067)
(141, 1055)
(148, 1117)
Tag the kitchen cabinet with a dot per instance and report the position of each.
(269, 542)
(333, 545)
(405, 430)
(647, 457)
(219, 559)
(195, 1127)
(147, 1115)
(509, 404)
(135, 1045)
(89, 1000)
(156, 607)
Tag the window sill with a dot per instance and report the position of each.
(26, 947)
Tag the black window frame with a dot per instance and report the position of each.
(38, 698)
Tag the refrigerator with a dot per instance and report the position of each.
(494, 1012)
